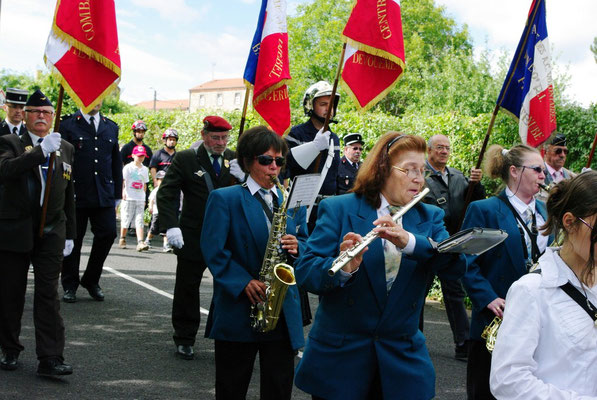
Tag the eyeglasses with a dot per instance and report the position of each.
(442, 148)
(586, 223)
(593, 234)
(560, 151)
(223, 138)
(267, 160)
(538, 169)
(17, 106)
(45, 113)
(412, 173)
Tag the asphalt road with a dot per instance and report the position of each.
(122, 348)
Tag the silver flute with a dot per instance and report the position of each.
(347, 255)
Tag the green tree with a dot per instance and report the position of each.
(594, 48)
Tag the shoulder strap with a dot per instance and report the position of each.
(533, 235)
(208, 182)
(580, 299)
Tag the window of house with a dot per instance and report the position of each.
(219, 100)
(201, 100)
(237, 99)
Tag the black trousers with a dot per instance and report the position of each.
(454, 295)
(103, 227)
(477, 372)
(186, 314)
(46, 258)
(234, 368)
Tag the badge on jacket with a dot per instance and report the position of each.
(67, 171)
(28, 148)
(226, 163)
(199, 173)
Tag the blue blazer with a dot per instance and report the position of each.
(233, 241)
(491, 274)
(359, 327)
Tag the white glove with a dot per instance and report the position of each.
(174, 236)
(51, 143)
(322, 140)
(69, 244)
(235, 170)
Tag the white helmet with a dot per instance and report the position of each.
(319, 89)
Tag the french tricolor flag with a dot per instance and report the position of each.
(528, 90)
(267, 68)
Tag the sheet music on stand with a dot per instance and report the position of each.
(303, 191)
(472, 241)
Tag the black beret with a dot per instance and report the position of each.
(38, 99)
(559, 140)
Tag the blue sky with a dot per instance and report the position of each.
(173, 45)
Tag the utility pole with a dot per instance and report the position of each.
(154, 99)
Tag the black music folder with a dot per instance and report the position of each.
(471, 241)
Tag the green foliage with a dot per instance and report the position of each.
(580, 127)
(594, 48)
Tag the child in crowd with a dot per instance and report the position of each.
(154, 228)
(135, 177)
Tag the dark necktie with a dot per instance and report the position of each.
(216, 164)
(92, 123)
(46, 164)
(14, 130)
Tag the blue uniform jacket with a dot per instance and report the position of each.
(98, 167)
(305, 133)
(360, 327)
(233, 240)
(491, 274)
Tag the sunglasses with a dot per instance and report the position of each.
(560, 151)
(267, 160)
(538, 169)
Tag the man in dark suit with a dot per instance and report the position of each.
(14, 108)
(350, 162)
(98, 184)
(195, 172)
(23, 169)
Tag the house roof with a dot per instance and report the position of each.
(165, 104)
(220, 84)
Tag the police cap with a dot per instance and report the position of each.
(352, 138)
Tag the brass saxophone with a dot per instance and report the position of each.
(275, 273)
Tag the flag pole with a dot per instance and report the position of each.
(242, 118)
(326, 124)
(44, 207)
(471, 186)
(592, 151)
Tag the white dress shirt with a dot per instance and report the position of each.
(546, 347)
(520, 207)
(96, 119)
(12, 127)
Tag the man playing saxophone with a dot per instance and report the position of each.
(365, 342)
(235, 236)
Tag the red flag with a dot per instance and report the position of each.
(374, 59)
(82, 50)
(267, 67)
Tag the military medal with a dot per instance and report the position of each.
(28, 148)
(226, 163)
(199, 173)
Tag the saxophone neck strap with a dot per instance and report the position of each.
(535, 253)
(268, 212)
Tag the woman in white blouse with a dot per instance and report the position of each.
(547, 345)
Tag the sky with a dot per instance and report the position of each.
(171, 46)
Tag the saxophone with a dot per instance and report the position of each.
(275, 273)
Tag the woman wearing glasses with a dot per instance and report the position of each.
(547, 344)
(233, 241)
(365, 342)
(490, 275)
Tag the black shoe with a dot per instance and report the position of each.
(70, 296)
(8, 362)
(185, 352)
(95, 291)
(53, 367)
(461, 351)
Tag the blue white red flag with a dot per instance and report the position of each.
(528, 90)
(267, 69)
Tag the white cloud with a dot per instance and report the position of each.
(571, 29)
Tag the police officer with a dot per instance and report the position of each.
(162, 158)
(307, 140)
(126, 152)
(350, 162)
(15, 104)
(195, 172)
(24, 165)
(98, 184)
